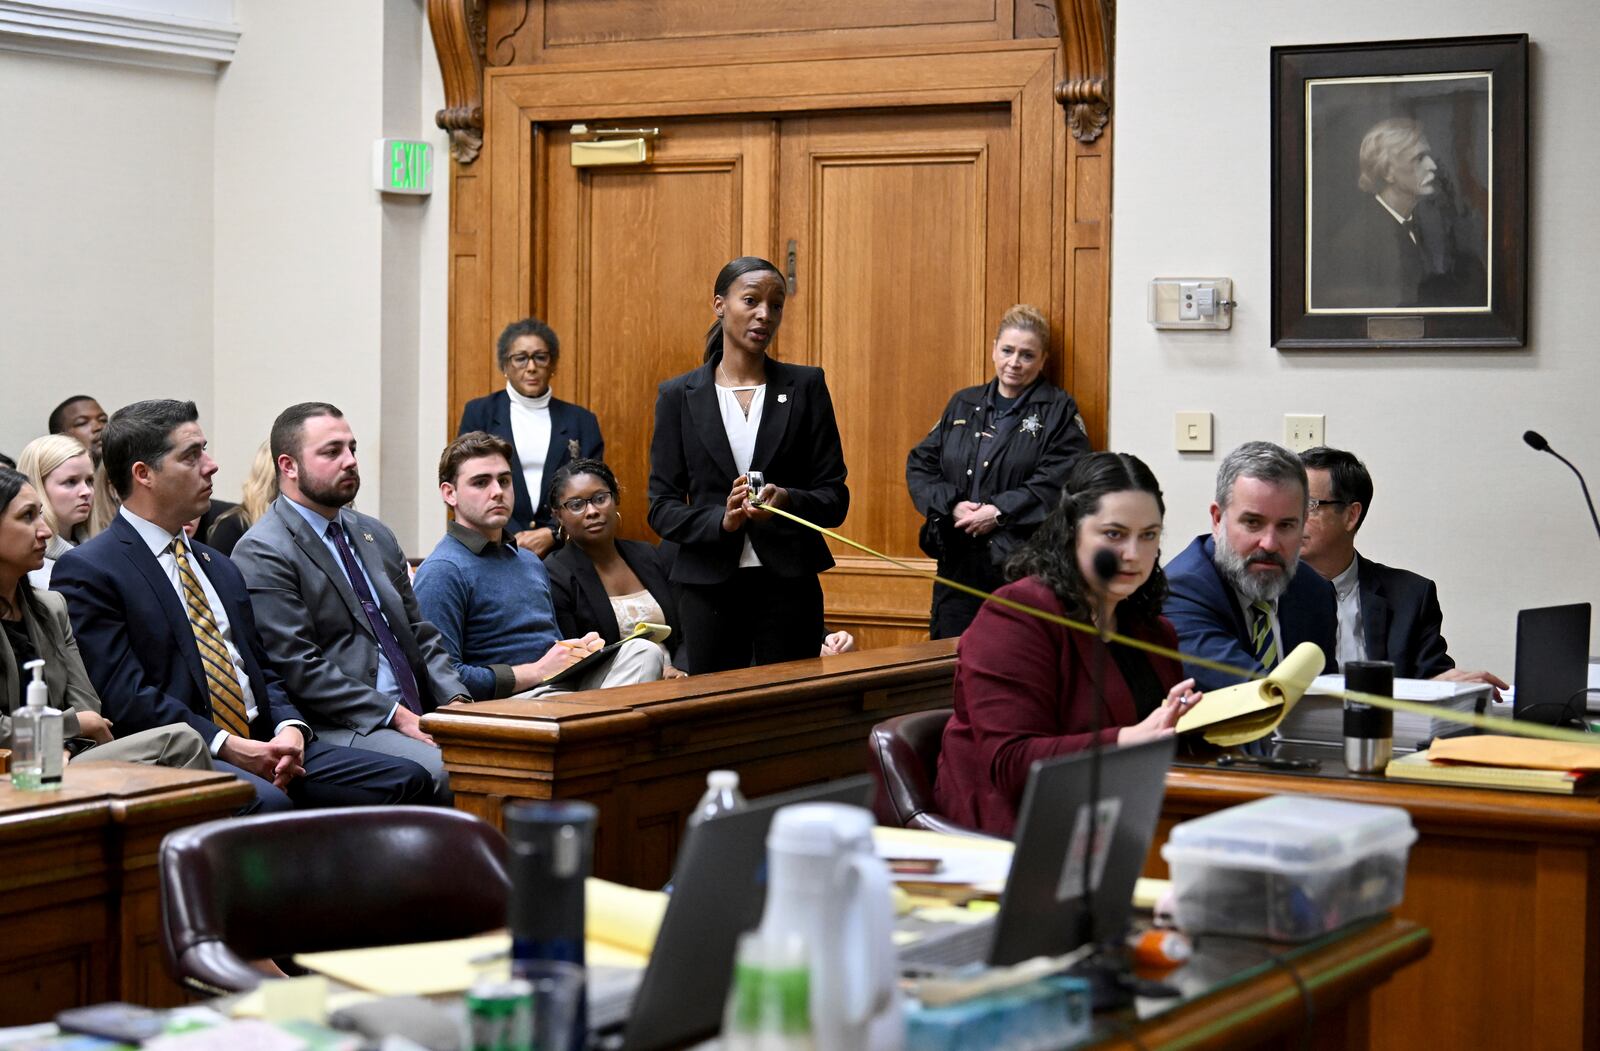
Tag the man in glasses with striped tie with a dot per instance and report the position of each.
(1240, 594)
(167, 632)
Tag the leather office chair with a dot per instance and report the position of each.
(905, 758)
(246, 889)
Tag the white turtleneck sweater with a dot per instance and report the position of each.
(530, 432)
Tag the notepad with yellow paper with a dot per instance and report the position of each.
(658, 633)
(1236, 715)
(620, 927)
(1498, 761)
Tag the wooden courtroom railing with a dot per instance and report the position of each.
(80, 918)
(1509, 884)
(641, 753)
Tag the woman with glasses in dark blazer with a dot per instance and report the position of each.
(748, 584)
(600, 583)
(545, 432)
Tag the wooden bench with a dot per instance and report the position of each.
(641, 753)
(80, 909)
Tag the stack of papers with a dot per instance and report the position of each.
(1319, 717)
(1492, 761)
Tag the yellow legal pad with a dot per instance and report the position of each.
(621, 925)
(1497, 761)
(1236, 715)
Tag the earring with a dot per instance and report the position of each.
(619, 516)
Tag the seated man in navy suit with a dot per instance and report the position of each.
(1385, 614)
(1240, 595)
(168, 635)
(545, 432)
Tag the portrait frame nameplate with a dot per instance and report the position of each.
(1400, 194)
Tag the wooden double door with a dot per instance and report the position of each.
(906, 230)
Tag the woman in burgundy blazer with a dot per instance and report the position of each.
(1024, 687)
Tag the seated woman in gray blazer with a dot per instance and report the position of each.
(34, 626)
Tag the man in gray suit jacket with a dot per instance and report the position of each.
(333, 600)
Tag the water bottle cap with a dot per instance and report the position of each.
(721, 779)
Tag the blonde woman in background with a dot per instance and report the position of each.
(60, 470)
(260, 489)
(106, 503)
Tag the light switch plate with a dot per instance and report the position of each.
(1193, 432)
(1303, 432)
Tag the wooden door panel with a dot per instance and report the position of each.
(628, 266)
(906, 227)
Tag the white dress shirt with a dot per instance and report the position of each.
(1347, 587)
(530, 433)
(160, 543)
(742, 428)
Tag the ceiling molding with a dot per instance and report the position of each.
(132, 32)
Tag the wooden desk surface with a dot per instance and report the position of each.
(641, 753)
(79, 904)
(1509, 884)
(1268, 1007)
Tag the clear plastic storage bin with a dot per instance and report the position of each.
(1288, 867)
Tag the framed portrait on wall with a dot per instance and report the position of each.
(1400, 194)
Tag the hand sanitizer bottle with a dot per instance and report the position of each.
(36, 737)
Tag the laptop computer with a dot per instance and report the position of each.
(1552, 663)
(1043, 909)
(719, 891)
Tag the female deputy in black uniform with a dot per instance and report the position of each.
(748, 577)
(988, 472)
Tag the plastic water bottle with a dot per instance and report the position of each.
(769, 1005)
(722, 796)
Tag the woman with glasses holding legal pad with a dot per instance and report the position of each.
(545, 432)
(599, 583)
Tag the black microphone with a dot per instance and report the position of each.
(1536, 441)
(1105, 990)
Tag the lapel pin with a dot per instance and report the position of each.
(367, 537)
(782, 398)
(205, 556)
(574, 450)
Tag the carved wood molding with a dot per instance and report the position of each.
(1086, 28)
(460, 34)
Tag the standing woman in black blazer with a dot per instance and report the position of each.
(748, 579)
(553, 432)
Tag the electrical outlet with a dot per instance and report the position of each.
(1303, 432)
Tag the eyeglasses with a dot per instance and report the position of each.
(520, 361)
(1313, 504)
(599, 501)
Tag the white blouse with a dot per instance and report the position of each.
(742, 430)
(530, 432)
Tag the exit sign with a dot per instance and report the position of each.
(402, 166)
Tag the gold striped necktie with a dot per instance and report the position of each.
(1266, 646)
(227, 701)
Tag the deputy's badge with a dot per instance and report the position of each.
(1031, 425)
(367, 537)
(782, 398)
(574, 450)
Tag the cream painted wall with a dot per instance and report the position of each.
(1459, 498)
(327, 290)
(105, 237)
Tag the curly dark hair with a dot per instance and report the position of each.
(1051, 554)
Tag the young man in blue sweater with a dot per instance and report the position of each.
(490, 599)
